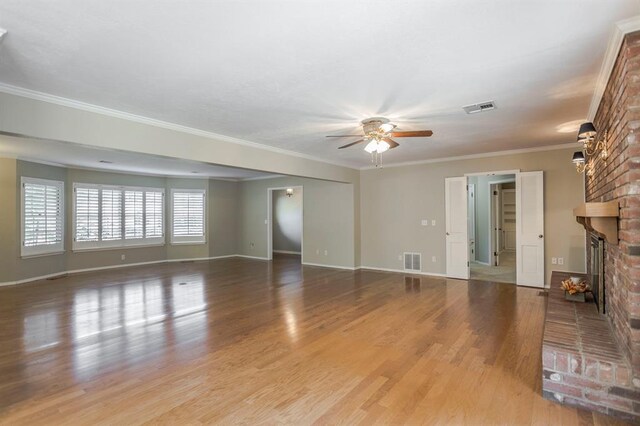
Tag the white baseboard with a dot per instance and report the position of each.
(286, 252)
(481, 262)
(101, 268)
(251, 257)
(402, 271)
(322, 265)
(41, 277)
(196, 259)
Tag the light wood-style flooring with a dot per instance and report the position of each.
(254, 342)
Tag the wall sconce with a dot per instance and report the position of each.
(579, 161)
(590, 148)
(289, 192)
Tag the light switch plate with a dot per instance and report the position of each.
(433, 222)
(554, 260)
(425, 222)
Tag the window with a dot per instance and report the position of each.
(42, 217)
(133, 214)
(187, 208)
(111, 214)
(117, 216)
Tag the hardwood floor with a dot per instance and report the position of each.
(245, 341)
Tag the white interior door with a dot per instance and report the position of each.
(457, 243)
(530, 229)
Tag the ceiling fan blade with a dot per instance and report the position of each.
(391, 142)
(350, 144)
(412, 134)
(343, 136)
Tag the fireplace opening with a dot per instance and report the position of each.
(596, 272)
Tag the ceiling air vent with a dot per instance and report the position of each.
(482, 106)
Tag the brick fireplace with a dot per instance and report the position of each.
(591, 354)
(619, 179)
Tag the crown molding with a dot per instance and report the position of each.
(261, 178)
(58, 100)
(621, 29)
(474, 156)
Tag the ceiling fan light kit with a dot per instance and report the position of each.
(378, 132)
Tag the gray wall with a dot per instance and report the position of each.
(287, 220)
(328, 222)
(223, 217)
(221, 226)
(395, 199)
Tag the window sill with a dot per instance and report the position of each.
(188, 243)
(132, 246)
(31, 256)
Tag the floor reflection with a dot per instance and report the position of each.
(41, 330)
(187, 294)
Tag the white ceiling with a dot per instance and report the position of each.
(74, 155)
(287, 73)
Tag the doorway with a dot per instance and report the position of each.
(491, 219)
(500, 237)
(285, 223)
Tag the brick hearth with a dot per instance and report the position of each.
(581, 360)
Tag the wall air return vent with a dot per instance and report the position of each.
(412, 262)
(480, 107)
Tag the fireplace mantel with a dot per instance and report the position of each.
(600, 218)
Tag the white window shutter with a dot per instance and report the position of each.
(42, 216)
(116, 216)
(133, 214)
(154, 213)
(87, 214)
(111, 214)
(188, 224)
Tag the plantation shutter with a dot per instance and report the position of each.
(42, 216)
(188, 216)
(154, 226)
(133, 214)
(87, 215)
(111, 214)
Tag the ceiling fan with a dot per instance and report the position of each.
(378, 132)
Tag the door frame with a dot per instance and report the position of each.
(269, 222)
(471, 220)
(514, 172)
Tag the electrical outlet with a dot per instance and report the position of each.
(433, 222)
(317, 251)
(561, 261)
(400, 257)
(554, 260)
(434, 259)
(266, 222)
(123, 256)
(326, 252)
(425, 222)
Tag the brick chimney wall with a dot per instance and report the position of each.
(619, 179)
